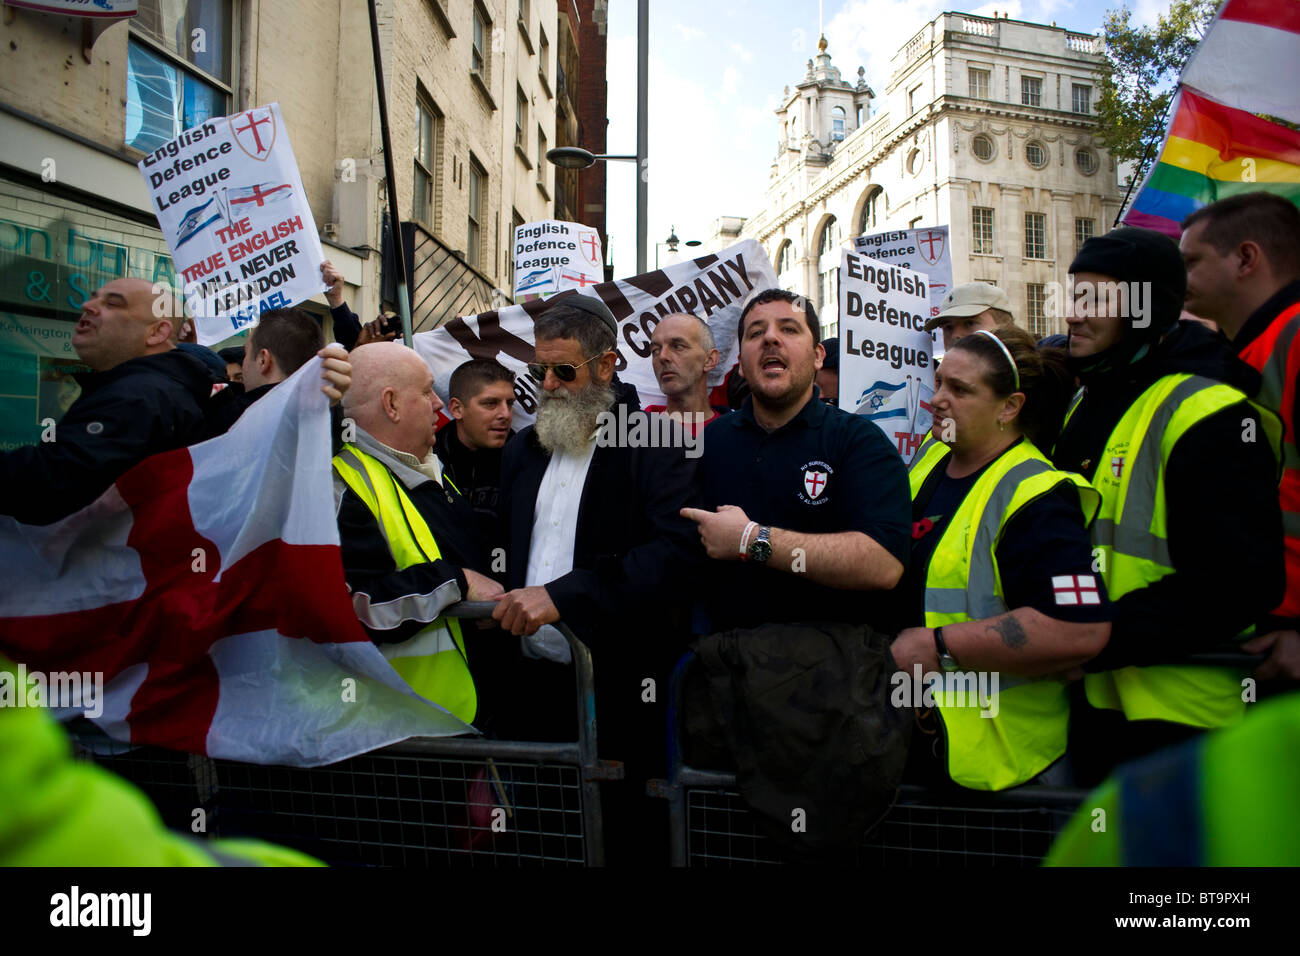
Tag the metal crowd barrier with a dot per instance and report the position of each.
(710, 825)
(421, 802)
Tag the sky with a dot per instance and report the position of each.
(717, 68)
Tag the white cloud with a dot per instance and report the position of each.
(744, 54)
(688, 32)
(730, 81)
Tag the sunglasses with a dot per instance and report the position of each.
(565, 373)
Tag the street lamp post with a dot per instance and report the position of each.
(672, 242)
(575, 157)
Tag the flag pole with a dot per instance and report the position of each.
(390, 177)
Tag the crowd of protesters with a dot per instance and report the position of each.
(1085, 519)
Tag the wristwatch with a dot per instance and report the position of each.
(760, 549)
(946, 661)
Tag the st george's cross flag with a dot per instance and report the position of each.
(206, 586)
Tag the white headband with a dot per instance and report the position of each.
(1005, 351)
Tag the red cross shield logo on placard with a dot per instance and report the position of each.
(814, 482)
(254, 132)
(930, 242)
(589, 244)
(1117, 466)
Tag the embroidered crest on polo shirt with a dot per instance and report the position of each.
(816, 482)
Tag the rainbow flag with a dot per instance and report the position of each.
(1211, 152)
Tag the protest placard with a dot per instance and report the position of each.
(714, 287)
(552, 255)
(231, 205)
(921, 249)
(886, 356)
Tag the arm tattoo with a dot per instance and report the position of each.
(1012, 634)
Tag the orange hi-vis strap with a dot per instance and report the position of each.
(1276, 355)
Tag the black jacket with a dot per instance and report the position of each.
(136, 409)
(392, 604)
(1224, 523)
(228, 405)
(803, 713)
(633, 551)
(476, 474)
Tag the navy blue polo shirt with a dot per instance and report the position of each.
(824, 471)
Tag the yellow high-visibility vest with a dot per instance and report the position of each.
(1132, 535)
(962, 583)
(433, 662)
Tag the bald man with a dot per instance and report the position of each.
(683, 353)
(141, 397)
(410, 545)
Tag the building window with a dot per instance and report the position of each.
(169, 86)
(915, 162)
(1035, 298)
(913, 99)
(474, 235)
(1035, 155)
(837, 123)
(982, 147)
(1084, 229)
(979, 84)
(828, 241)
(541, 156)
(828, 269)
(1081, 98)
(1031, 91)
(1035, 235)
(428, 150)
(785, 258)
(521, 120)
(981, 227)
(478, 47)
(523, 12)
(1086, 160)
(870, 212)
(544, 52)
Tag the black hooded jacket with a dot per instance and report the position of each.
(136, 409)
(1224, 524)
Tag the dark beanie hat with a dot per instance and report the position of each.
(1129, 254)
(832, 347)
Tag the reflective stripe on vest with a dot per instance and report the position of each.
(1132, 536)
(432, 662)
(1276, 355)
(963, 584)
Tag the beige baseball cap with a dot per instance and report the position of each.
(970, 299)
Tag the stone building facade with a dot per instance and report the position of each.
(986, 126)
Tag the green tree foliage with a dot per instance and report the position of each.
(1139, 73)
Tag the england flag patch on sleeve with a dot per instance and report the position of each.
(1075, 589)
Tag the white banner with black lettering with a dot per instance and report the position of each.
(714, 287)
(231, 205)
(924, 249)
(886, 356)
(553, 255)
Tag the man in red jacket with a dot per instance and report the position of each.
(1243, 272)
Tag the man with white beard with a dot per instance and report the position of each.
(595, 539)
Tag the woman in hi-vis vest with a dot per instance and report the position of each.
(1000, 597)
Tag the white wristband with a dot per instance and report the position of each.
(744, 537)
